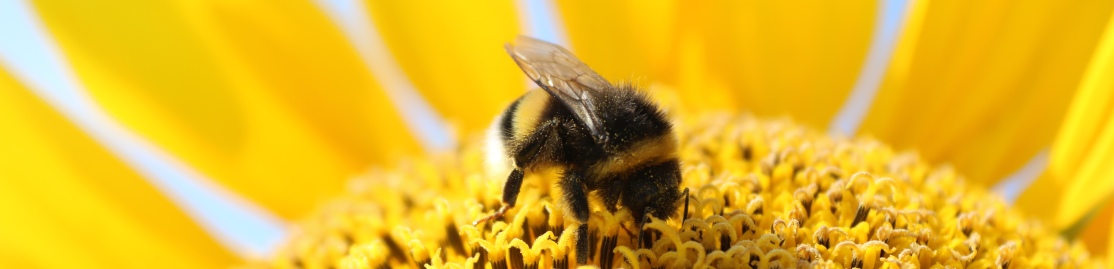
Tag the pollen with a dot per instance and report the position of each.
(763, 193)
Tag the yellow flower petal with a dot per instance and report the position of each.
(1096, 233)
(768, 57)
(642, 41)
(69, 203)
(453, 53)
(789, 58)
(1110, 245)
(622, 39)
(1079, 173)
(260, 96)
(990, 78)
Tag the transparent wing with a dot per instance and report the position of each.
(562, 75)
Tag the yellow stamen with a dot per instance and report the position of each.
(764, 193)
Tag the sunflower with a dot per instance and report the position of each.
(281, 104)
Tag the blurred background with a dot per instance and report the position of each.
(144, 132)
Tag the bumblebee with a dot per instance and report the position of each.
(608, 139)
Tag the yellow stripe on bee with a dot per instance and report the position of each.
(526, 116)
(647, 151)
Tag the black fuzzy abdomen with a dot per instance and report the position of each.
(650, 188)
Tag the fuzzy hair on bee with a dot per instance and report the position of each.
(610, 140)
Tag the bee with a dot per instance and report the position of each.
(608, 139)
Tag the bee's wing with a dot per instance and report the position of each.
(562, 75)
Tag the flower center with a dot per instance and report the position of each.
(763, 194)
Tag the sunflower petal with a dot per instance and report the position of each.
(1095, 234)
(453, 53)
(1078, 177)
(69, 203)
(1110, 246)
(645, 42)
(768, 57)
(620, 39)
(989, 78)
(257, 95)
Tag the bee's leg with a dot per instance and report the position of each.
(510, 194)
(642, 230)
(531, 150)
(577, 199)
(610, 189)
(686, 214)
